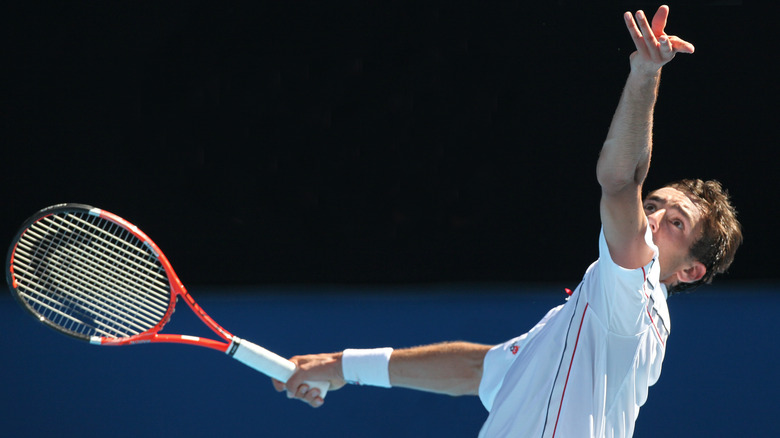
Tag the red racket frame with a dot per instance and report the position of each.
(177, 290)
(244, 351)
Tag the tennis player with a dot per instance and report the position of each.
(585, 368)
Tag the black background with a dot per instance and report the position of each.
(371, 142)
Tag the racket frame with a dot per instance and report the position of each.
(177, 288)
(242, 350)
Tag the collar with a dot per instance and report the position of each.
(658, 291)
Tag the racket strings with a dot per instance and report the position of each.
(54, 262)
(91, 276)
(65, 263)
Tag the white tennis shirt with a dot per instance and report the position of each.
(585, 368)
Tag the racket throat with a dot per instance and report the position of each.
(234, 343)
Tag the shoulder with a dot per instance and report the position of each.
(619, 295)
(624, 228)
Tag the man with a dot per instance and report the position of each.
(585, 368)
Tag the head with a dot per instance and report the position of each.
(703, 243)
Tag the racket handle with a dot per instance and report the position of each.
(268, 363)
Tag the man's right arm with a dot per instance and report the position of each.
(453, 368)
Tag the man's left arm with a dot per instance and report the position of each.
(625, 157)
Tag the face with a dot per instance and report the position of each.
(676, 225)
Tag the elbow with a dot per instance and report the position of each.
(620, 168)
(463, 375)
(614, 183)
(470, 384)
(614, 178)
(466, 386)
(467, 381)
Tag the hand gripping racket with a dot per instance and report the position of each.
(92, 275)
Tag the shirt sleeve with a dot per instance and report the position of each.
(622, 296)
(500, 358)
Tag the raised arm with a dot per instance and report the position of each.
(625, 157)
(453, 368)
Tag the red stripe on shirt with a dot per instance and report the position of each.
(644, 274)
(656, 328)
(569, 372)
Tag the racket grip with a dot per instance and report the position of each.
(268, 363)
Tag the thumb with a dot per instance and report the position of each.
(680, 45)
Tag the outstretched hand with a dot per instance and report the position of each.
(654, 47)
(312, 368)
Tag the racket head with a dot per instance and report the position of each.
(90, 275)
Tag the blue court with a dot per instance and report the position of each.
(719, 377)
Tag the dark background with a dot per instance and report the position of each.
(369, 142)
(331, 174)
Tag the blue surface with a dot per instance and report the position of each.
(719, 378)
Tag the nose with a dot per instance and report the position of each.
(654, 219)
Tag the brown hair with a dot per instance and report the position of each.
(721, 231)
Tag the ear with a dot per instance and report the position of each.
(692, 273)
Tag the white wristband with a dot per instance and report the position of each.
(367, 367)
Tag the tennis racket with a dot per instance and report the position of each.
(94, 276)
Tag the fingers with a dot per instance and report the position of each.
(301, 392)
(313, 368)
(307, 395)
(640, 31)
(278, 386)
(654, 47)
(659, 20)
(665, 47)
(650, 45)
(633, 30)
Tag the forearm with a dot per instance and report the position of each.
(453, 368)
(625, 155)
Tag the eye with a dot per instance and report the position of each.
(677, 223)
(650, 208)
